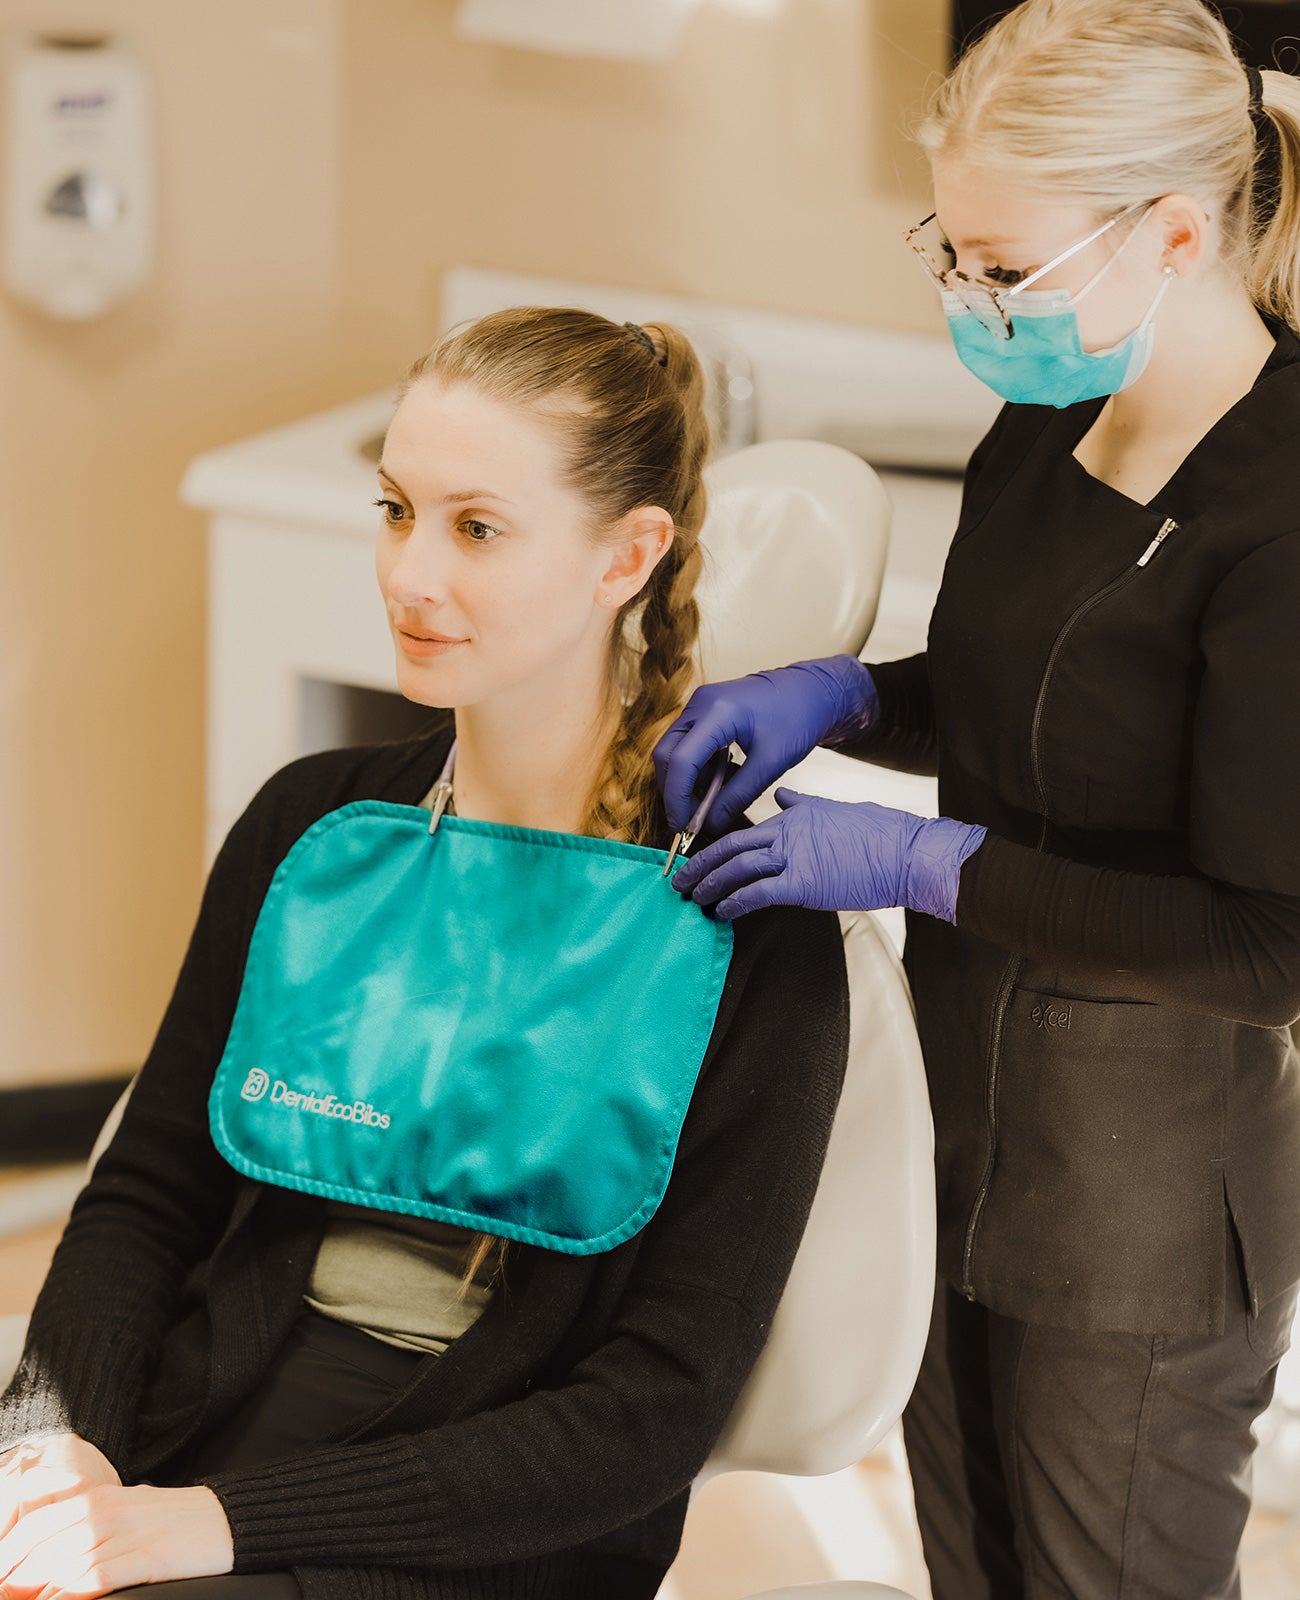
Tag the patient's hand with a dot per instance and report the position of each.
(39, 1471)
(71, 1529)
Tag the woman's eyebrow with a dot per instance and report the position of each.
(988, 244)
(455, 497)
(977, 244)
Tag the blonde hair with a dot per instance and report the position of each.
(629, 415)
(1104, 103)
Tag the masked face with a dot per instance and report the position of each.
(1052, 358)
(1045, 363)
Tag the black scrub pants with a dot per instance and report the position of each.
(1055, 1465)
(325, 1376)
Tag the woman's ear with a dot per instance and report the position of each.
(1183, 222)
(640, 542)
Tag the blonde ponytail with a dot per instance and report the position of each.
(1105, 103)
(1273, 232)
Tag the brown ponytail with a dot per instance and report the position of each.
(655, 675)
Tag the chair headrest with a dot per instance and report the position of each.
(795, 538)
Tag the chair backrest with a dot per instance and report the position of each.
(795, 537)
(847, 1337)
(797, 533)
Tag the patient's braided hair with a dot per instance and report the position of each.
(628, 406)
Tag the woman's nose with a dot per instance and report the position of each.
(421, 572)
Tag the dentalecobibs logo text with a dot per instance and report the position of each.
(258, 1082)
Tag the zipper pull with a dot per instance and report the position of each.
(1166, 528)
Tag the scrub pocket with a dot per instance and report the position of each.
(1107, 1184)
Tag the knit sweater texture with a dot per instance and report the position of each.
(551, 1449)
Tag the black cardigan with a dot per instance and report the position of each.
(551, 1449)
(1105, 1026)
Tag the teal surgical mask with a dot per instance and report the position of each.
(1043, 361)
(1045, 364)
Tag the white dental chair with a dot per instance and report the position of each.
(847, 1338)
(796, 538)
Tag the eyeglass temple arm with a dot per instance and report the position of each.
(1066, 254)
(1055, 261)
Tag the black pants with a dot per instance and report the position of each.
(1054, 1465)
(325, 1376)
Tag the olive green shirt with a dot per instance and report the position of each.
(395, 1276)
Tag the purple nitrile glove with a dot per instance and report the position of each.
(776, 718)
(834, 855)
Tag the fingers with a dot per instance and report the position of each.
(51, 1467)
(741, 790)
(696, 867)
(722, 888)
(70, 1570)
(18, 1457)
(786, 798)
(663, 752)
(110, 1537)
(59, 1521)
(686, 757)
(777, 891)
(39, 1486)
(65, 1451)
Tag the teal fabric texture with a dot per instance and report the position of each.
(499, 1027)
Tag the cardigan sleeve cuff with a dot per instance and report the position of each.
(84, 1381)
(350, 1503)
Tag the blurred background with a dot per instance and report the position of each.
(227, 232)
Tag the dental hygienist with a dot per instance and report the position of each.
(1103, 926)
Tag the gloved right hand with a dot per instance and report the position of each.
(776, 717)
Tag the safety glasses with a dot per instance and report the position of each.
(985, 301)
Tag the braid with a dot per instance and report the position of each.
(661, 674)
(625, 805)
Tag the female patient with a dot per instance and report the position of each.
(267, 1393)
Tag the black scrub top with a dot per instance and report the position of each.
(1138, 722)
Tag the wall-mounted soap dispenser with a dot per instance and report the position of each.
(78, 178)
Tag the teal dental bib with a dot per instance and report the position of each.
(495, 1026)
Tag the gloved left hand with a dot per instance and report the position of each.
(834, 855)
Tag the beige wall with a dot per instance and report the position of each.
(321, 161)
(766, 164)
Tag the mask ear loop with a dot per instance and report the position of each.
(1168, 274)
(1107, 265)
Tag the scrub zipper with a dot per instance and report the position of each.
(1012, 969)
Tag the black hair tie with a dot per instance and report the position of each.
(1266, 181)
(647, 341)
